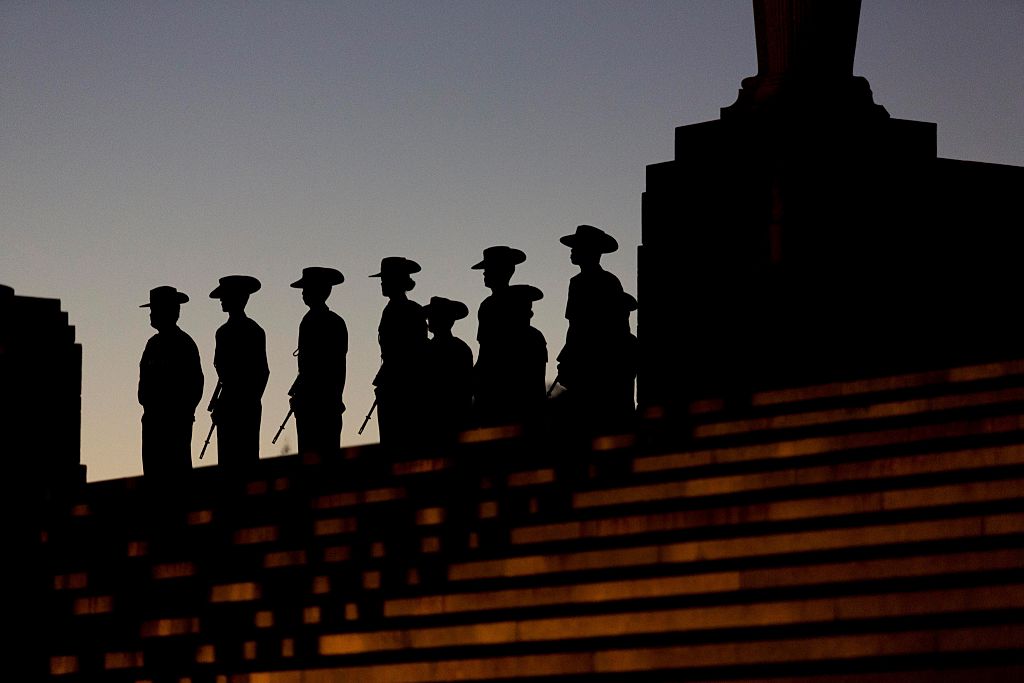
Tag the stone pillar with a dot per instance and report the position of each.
(40, 392)
(805, 52)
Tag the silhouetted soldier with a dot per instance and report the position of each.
(625, 361)
(316, 394)
(403, 339)
(170, 388)
(449, 370)
(527, 356)
(593, 342)
(242, 371)
(498, 265)
(517, 363)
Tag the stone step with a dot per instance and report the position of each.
(659, 622)
(723, 583)
(744, 548)
(943, 380)
(825, 656)
(893, 471)
(931, 407)
(787, 450)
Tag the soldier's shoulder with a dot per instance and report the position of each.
(463, 347)
(338, 323)
(611, 278)
(185, 338)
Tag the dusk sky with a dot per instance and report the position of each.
(150, 143)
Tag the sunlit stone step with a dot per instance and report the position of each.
(870, 535)
(878, 411)
(721, 582)
(835, 652)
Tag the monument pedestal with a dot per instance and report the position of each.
(806, 236)
(40, 405)
(779, 250)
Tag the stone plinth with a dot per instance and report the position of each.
(806, 236)
(41, 380)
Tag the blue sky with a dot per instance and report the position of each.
(148, 143)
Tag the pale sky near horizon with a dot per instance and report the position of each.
(149, 143)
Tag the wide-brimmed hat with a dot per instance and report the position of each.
(396, 265)
(524, 294)
(235, 285)
(445, 308)
(165, 295)
(500, 256)
(316, 275)
(591, 239)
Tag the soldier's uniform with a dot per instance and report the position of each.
(625, 363)
(526, 358)
(517, 363)
(323, 346)
(402, 336)
(594, 328)
(489, 374)
(241, 362)
(449, 371)
(170, 388)
(589, 365)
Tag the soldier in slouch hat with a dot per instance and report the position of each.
(402, 336)
(316, 394)
(593, 342)
(449, 370)
(498, 265)
(170, 388)
(242, 372)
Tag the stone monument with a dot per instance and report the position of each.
(41, 396)
(807, 236)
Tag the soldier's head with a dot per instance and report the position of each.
(498, 264)
(521, 298)
(233, 292)
(164, 307)
(316, 283)
(395, 275)
(587, 245)
(442, 313)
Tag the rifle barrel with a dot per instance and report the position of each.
(366, 420)
(281, 428)
(206, 444)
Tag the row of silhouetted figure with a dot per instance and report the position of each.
(428, 389)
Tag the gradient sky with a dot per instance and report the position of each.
(148, 143)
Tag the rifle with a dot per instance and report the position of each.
(368, 416)
(281, 428)
(213, 423)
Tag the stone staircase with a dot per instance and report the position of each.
(870, 530)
